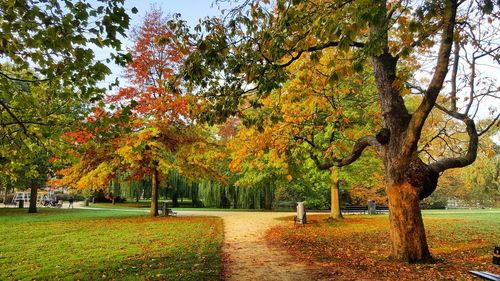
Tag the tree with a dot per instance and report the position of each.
(27, 147)
(52, 41)
(251, 49)
(146, 129)
(313, 116)
(48, 72)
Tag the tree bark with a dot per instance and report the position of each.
(33, 197)
(407, 231)
(335, 194)
(335, 197)
(154, 193)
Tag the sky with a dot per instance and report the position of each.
(191, 10)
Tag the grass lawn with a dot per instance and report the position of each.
(358, 247)
(144, 205)
(61, 244)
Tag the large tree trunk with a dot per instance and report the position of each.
(154, 193)
(408, 180)
(407, 231)
(33, 197)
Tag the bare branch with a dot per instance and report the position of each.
(453, 94)
(489, 125)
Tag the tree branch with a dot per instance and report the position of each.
(17, 120)
(22, 80)
(356, 152)
(318, 48)
(489, 126)
(418, 118)
(462, 161)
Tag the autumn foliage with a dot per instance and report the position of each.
(144, 128)
(357, 248)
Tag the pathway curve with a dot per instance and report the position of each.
(248, 256)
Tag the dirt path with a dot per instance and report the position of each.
(249, 257)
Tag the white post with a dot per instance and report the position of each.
(301, 212)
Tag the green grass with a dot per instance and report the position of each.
(61, 244)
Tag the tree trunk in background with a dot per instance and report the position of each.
(268, 197)
(336, 213)
(33, 197)
(154, 193)
(335, 194)
(175, 198)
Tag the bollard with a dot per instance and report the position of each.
(301, 213)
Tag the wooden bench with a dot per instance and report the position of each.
(355, 209)
(166, 211)
(382, 209)
(488, 275)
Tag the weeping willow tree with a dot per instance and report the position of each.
(216, 195)
(180, 187)
(137, 189)
(205, 193)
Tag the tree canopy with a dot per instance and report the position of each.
(410, 45)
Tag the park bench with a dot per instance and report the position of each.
(166, 211)
(11, 204)
(355, 209)
(382, 209)
(488, 275)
